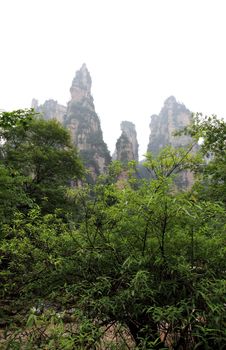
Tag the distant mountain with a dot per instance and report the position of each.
(50, 109)
(83, 122)
(127, 145)
(173, 116)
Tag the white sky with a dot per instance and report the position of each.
(138, 52)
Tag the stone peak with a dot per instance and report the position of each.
(126, 125)
(84, 67)
(82, 79)
(170, 100)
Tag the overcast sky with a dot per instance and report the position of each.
(138, 53)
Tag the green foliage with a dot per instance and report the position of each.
(212, 132)
(152, 249)
(142, 257)
(171, 161)
(40, 155)
(21, 117)
(12, 193)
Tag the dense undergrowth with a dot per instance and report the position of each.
(124, 263)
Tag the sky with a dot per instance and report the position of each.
(138, 52)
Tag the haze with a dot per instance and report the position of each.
(138, 53)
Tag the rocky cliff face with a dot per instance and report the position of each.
(84, 124)
(50, 109)
(82, 120)
(172, 117)
(127, 145)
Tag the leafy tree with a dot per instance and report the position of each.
(212, 132)
(12, 194)
(41, 153)
(143, 256)
(148, 258)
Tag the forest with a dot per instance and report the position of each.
(120, 263)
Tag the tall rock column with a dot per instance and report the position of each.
(84, 124)
(127, 145)
(173, 117)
